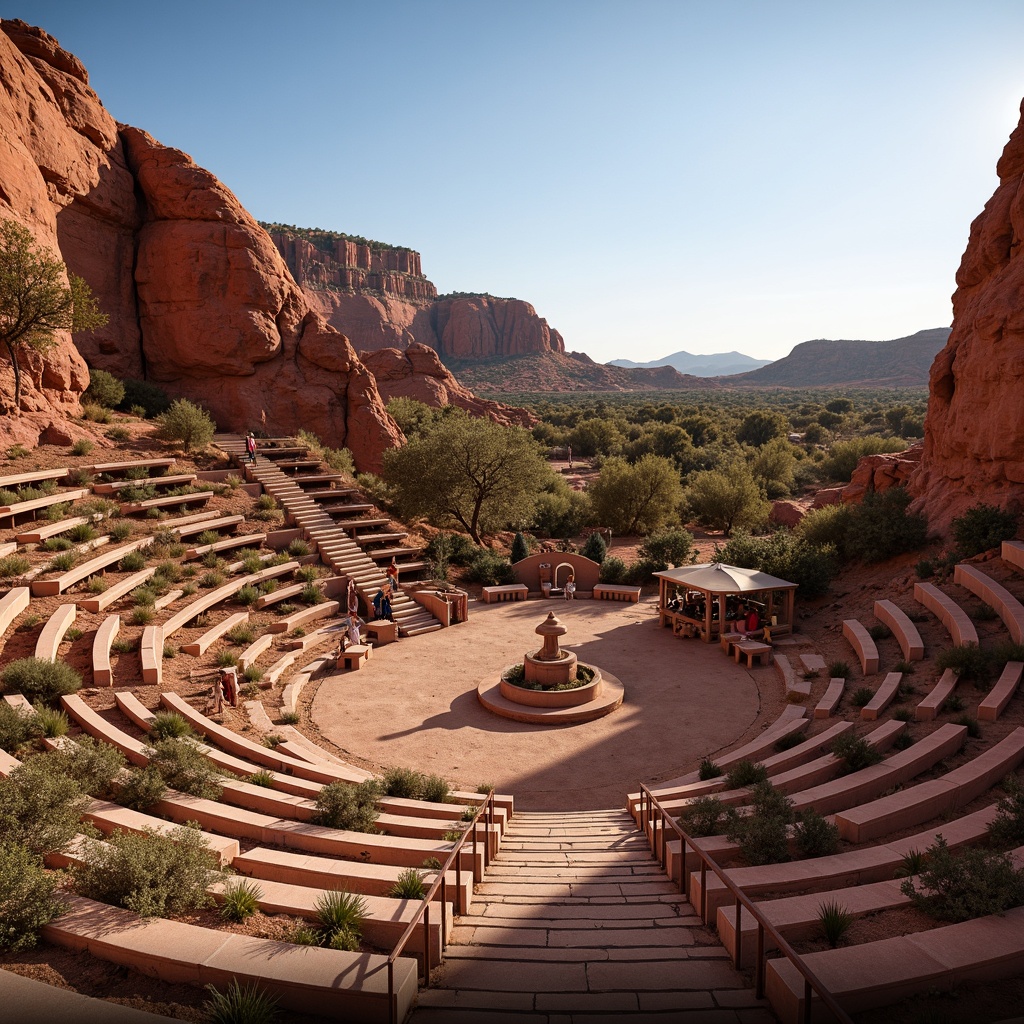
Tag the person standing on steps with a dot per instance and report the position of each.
(392, 574)
(250, 447)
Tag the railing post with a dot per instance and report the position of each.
(475, 823)
(426, 944)
(807, 1001)
(739, 937)
(392, 1000)
(703, 889)
(759, 970)
(444, 918)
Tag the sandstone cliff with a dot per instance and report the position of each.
(199, 298)
(418, 373)
(974, 430)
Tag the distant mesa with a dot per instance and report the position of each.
(716, 364)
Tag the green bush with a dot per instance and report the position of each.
(39, 679)
(453, 548)
(708, 770)
(17, 726)
(239, 1004)
(340, 915)
(13, 565)
(247, 595)
(148, 872)
(169, 725)
(968, 661)
(981, 528)
(82, 447)
(39, 806)
(668, 548)
(183, 766)
(762, 835)
(121, 530)
(404, 783)
(972, 883)
(844, 455)
(241, 899)
(28, 897)
(62, 562)
(436, 789)
(187, 425)
(133, 561)
(595, 548)
(835, 922)
(745, 773)
(883, 527)
(704, 816)
(353, 808)
(785, 555)
(862, 696)
(613, 570)
(520, 550)
(838, 670)
(827, 526)
(815, 835)
(142, 788)
(856, 752)
(409, 886)
(144, 396)
(490, 569)
(1008, 827)
(104, 389)
(91, 764)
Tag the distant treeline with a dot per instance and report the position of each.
(477, 295)
(325, 240)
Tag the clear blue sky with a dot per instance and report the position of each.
(652, 176)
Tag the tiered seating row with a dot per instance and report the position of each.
(1011, 611)
(949, 613)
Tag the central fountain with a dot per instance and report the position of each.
(551, 686)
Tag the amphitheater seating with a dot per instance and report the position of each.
(34, 504)
(203, 521)
(115, 468)
(863, 646)
(278, 669)
(306, 979)
(53, 632)
(37, 534)
(112, 487)
(283, 594)
(1011, 611)
(52, 587)
(883, 697)
(130, 507)
(949, 613)
(249, 540)
(32, 477)
(995, 702)
(151, 650)
(99, 602)
(252, 653)
(12, 604)
(826, 707)
(324, 610)
(932, 703)
(1012, 551)
(903, 629)
(799, 688)
(211, 636)
(102, 674)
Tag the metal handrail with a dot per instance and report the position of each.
(440, 882)
(648, 804)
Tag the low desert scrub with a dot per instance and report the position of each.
(705, 816)
(39, 679)
(353, 808)
(28, 897)
(856, 752)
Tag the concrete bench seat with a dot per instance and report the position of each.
(903, 629)
(800, 688)
(830, 699)
(353, 657)
(1010, 610)
(114, 486)
(920, 803)
(282, 594)
(12, 604)
(852, 867)
(199, 647)
(53, 632)
(887, 970)
(32, 477)
(252, 653)
(863, 646)
(506, 592)
(931, 704)
(19, 702)
(384, 921)
(1012, 551)
(330, 873)
(750, 651)
(203, 521)
(97, 726)
(112, 468)
(151, 651)
(34, 504)
(305, 479)
(812, 663)
(883, 697)
(616, 592)
(102, 675)
(325, 610)
(996, 700)
(306, 979)
(131, 507)
(52, 587)
(948, 612)
(37, 534)
(100, 602)
(249, 540)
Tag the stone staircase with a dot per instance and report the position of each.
(576, 921)
(337, 548)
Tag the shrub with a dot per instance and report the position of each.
(903, 715)
(613, 570)
(880, 631)
(290, 717)
(169, 725)
(815, 836)
(861, 696)
(704, 816)
(121, 530)
(96, 413)
(520, 550)
(239, 1004)
(144, 398)
(304, 936)
(82, 447)
(247, 595)
(150, 873)
(188, 425)
(435, 789)
(404, 783)
(252, 673)
(104, 389)
(28, 897)
(142, 788)
(973, 729)
(594, 548)
(490, 569)
(981, 528)
(133, 561)
(455, 548)
(972, 883)
(925, 569)
(353, 808)
(839, 670)
(835, 922)
(340, 913)
(882, 527)
(40, 806)
(81, 533)
(16, 727)
(311, 594)
(56, 544)
(241, 899)
(211, 579)
(92, 765)
(409, 886)
(786, 555)
(969, 661)
(913, 864)
(142, 615)
(183, 766)
(668, 548)
(745, 773)
(62, 562)
(1008, 827)
(119, 434)
(13, 565)
(856, 752)
(262, 778)
(241, 634)
(827, 526)
(52, 722)
(762, 835)
(298, 548)
(708, 770)
(39, 679)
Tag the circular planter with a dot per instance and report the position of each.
(553, 698)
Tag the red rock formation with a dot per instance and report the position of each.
(880, 472)
(481, 327)
(974, 431)
(419, 373)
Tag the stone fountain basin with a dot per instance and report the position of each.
(553, 698)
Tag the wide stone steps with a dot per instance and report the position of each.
(575, 921)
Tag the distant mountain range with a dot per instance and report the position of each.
(902, 362)
(717, 364)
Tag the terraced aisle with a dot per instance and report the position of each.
(576, 922)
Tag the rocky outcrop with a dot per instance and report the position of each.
(418, 373)
(198, 296)
(482, 327)
(974, 430)
(881, 472)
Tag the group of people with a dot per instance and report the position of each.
(741, 616)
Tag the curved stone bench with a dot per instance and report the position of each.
(19, 701)
(113, 468)
(903, 629)
(283, 594)
(20, 507)
(798, 688)
(927, 800)
(200, 522)
(295, 685)
(102, 675)
(307, 979)
(40, 533)
(131, 507)
(211, 636)
(321, 611)
(12, 604)
(97, 726)
(1011, 611)
(278, 669)
(99, 602)
(1002, 693)
(883, 697)
(52, 587)
(112, 487)
(1012, 551)
(252, 653)
(32, 477)
(830, 699)
(931, 704)
(249, 540)
(331, 873)
(151, 651)
(852, 867)
(53, 632)
(863, 646)
(888, 970)
(949, 613)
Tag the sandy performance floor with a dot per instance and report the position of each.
(414, 704)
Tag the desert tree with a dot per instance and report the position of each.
(35, 301)
(637, 498)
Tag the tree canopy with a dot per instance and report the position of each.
(473, 472)
(637, 498)
(34, 300)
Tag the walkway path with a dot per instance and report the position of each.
(576, 922)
